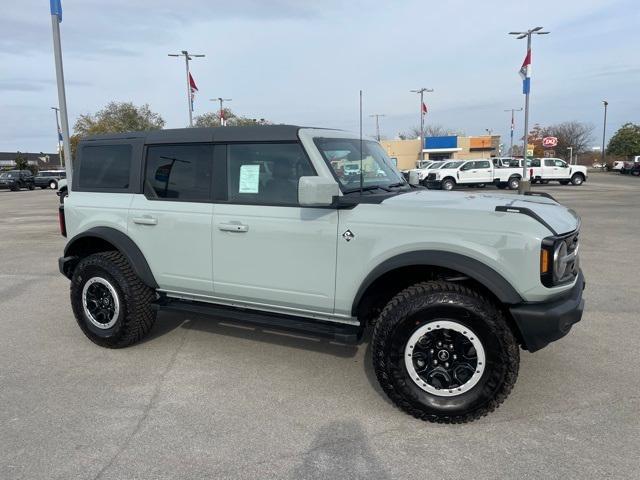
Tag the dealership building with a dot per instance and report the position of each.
(405, 153)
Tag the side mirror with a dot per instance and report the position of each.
(317, 191)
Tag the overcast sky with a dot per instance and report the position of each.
(303, 62)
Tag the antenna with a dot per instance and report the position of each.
(361, 153)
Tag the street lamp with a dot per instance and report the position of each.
(422, 112)
(525, 184)
(604, 132)
(377, 117)
(188, 56)
(221, 100)
(570, 155)
(58, 135)
(513, 125)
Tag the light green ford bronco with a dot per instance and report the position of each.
(274, 226)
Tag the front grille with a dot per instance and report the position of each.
(571, 258)
(431, 177)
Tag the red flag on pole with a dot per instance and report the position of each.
(192, 84)
(424, 109)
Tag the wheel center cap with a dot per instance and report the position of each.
(443, 355)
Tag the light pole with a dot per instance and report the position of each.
(188, 56)
(604, 132)
(570, 155)
(221, 100)
(58, 135)
(422, 112)
(513, 125)
(377, 116)
(525, 72)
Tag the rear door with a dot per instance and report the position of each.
(268, 251)
(171, 220)
(483, 171)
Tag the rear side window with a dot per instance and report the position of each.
(267, 173)
(105, 167)
(482, 164)
(179, 172)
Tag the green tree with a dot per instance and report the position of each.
(212, 119)
(21, 161)
(626, 141)
(118, 117)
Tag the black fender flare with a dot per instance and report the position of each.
(468, 266)
(123, 244)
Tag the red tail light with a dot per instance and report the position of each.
(61, 221)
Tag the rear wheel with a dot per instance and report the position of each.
(514, 183)
(443, 353)
(53, 184)
(448, 184)
(111, 305)
(635, 173)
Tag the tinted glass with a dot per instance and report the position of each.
(105, 166)
(549, 163)
(266, 173)
(180, 172)
(467, 166)
(560, 163)
(482, 164)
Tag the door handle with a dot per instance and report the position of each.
(233, 227)
(146, 220)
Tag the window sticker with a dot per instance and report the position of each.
(249, 179)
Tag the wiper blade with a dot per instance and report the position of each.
(399, 184)
(366, 189)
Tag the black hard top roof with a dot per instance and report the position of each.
(258, 133)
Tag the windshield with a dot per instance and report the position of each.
(452, 164)
(7, 175)
(343, 155)
(436, 166)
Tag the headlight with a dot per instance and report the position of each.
(559, 261)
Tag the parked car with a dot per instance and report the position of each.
(628, 166)
(478, 172)
(618, 166)
(546, 170)
(49, 178)
(63, 190)
(16, 179)
(635, 170)
(451, 286)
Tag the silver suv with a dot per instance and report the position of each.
(270, 225)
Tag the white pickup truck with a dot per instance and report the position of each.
(545, 170)
(477, 172)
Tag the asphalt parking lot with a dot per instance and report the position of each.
(204, 398)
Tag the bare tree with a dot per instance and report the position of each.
(573, 134)
(433, 130)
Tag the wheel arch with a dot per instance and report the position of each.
(102, 239)
(412, 265)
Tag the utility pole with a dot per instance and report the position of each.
(603, 157)
(58, 136)
(187, 57)
(221, 100)
(377, 116)
(422, 113)
(513, 125)
(525, 72)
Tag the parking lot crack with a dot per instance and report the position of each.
(153, 400)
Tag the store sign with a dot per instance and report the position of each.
(549, 142)
(530, 148)
(549, 153)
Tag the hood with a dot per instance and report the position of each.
(558, 218)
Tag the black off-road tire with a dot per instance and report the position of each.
(425, 302)
(136, 316)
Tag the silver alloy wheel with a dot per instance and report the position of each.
(447, 185)
(514, 184)
(578, 180)
(100, 302)
(443, 356)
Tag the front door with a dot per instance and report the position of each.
(171, 222)
(268, 252)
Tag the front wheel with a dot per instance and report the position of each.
(111, 304)
(31, 186)
(577, 179)
(53, 185)
(448, 184)
(444, 354)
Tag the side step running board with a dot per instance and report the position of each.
(335, 331)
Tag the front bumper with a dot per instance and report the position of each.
(545, 322)
(7, 185)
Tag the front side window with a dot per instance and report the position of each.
(482, 164)
(105, 167)
(348, 162)
(179, 172)
(266, 173)
(560, 163)
(467, 166)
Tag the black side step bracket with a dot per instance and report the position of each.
(339, 332)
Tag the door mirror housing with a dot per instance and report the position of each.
(317, 191)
